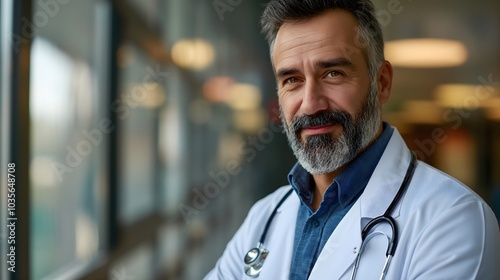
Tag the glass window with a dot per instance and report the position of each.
(69, 130)
(148, 9)
(141, 93)
(172, 245)
(139, 264)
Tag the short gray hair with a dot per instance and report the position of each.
(278, 12)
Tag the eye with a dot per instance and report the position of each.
(333, 74)
(291, 80)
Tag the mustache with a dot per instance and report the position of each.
(319, 119)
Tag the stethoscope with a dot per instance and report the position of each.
(255, 257)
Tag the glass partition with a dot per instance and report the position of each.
(140, 94)
(69, 130)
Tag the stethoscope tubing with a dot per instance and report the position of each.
(268, 224)
(386, 217)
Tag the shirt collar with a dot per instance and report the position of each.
(350, 182)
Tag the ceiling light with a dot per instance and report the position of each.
(464, 95)
(426, 53)
(422, 112)
(244, 97)
(194, 54)
(250, 121)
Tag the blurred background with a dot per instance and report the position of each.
(143, 131)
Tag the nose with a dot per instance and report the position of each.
(314, 99)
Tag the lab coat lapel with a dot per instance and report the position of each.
(386, 179)
(340, 251)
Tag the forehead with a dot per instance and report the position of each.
(334, 31)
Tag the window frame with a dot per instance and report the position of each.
(18, 134)
(6, 11)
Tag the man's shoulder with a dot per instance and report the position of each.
(433, 189)
(435, 180)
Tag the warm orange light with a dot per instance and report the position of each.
(217, 89)
(244, 97)
(250, 121)
(422, 111)
(465, 95)
(493, 109)
(424, 53)
(194, 54)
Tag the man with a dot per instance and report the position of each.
(332, 81)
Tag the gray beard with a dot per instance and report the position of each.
(320, 154)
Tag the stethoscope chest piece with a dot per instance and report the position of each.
(254, 259)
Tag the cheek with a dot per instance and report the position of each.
(289, 109)
(354, 106)
(350, 100)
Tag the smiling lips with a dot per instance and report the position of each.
(316, 130)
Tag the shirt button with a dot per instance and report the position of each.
(315, 223)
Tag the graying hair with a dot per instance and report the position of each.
(369, 37)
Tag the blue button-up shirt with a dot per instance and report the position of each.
(313, 229)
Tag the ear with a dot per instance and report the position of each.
(384, 81)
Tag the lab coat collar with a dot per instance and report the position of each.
(343, 246)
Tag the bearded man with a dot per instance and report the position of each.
(359, 205)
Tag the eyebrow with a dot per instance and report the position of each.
(338, 62)
(335, 63)
(285, 72)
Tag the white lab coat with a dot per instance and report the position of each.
(445, 230)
